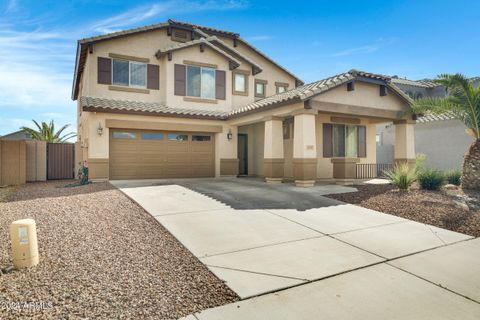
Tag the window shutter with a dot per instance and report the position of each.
(104, 70)
(152, 77)
(327, 140)
(362, 142)
(180, 79)
(220, 90)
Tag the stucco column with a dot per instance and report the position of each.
(304, 149)
(273, 160)
(404, 142)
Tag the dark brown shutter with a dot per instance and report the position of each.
(220, 90)
(362, 142)
(104, 68)
(327, 140)
(152, 77)
(180, 79)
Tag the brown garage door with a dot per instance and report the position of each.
(140, 154)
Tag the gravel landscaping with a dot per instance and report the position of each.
(101, 257)
(437, 208)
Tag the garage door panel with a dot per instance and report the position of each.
(151, 155)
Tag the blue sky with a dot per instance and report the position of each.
(313, 39)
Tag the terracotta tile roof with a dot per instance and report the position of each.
(436, 117)
(126, 106)
(416, 83)
(307, 91)
(205, 41)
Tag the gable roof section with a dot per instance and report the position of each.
(308, 91)
(146, 108)
(201, 41)
(436, 117)
(416, 83)
(299, 94)
(83, 44)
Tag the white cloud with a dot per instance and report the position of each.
(358, 50)
(259, 38)
(12, 5)
(139, 14)
(377, 45)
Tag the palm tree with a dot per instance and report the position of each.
(463, 101)
(46, 132)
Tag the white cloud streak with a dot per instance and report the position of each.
(377, 45)
(143, 13)
(259, 38)
(37, 59)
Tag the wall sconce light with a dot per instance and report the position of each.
(100, 129)
(229, 135)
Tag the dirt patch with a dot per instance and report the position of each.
(6, 192)
(433, 207)
(101, 256)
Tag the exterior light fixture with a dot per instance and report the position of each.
(100, 129)
(229, 135)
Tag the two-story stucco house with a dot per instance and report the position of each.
(181, 100)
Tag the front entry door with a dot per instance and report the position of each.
(243, 154)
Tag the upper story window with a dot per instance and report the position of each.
(201, 82)
(240, 82)
(281, 87)
(260, 88)
(129, 73)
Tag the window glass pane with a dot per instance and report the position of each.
(259, 88)
(280, 89)
(200, 138)
(351, 141)
(152, 136)
(339, 140)
(208, 83)
(193, 81)
(138, 74)
(124, 135)
(177, 137)
(120, 72)
(240, 82)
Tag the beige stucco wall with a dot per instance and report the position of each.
(364, 95)
(325, 166)
(98, 146)
(193, 54)
(146, 44)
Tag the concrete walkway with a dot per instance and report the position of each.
(334, 262)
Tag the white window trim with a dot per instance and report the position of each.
(130, 85)
(201, 93)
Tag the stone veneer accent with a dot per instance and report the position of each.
(229, 167)
(98, 169)
(345, 168)
(273, 169)
(305, 171)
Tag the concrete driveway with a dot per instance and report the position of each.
(335, 261)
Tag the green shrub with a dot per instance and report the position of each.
(431, 179)
(419, 160)
(402, 176)
(453, 177)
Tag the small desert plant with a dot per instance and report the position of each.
(431, 179)
(419, 160)
(402, 176)
(453, 177)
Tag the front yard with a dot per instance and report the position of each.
(432, 207)
(101, 256)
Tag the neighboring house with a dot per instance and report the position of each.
(442, 138)
(180, 100)
(17, 135)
